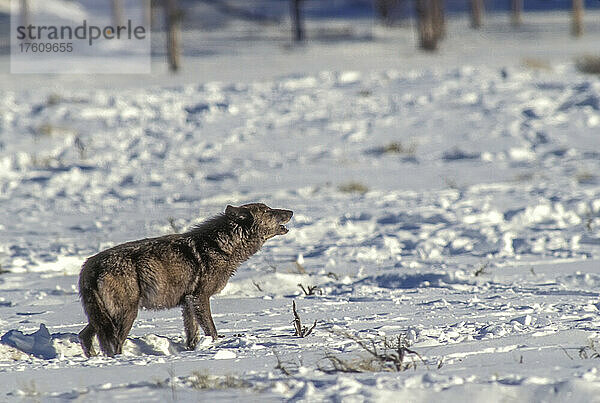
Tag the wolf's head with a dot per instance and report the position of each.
(260, 218)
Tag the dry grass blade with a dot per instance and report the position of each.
(481, 269)
(566, 352)
(300, 268)
(301, 331)
(309, 331)
(297, 322)
(284, 368)
(173, 224)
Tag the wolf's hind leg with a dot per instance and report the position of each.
(108, 342)
(124, 328)
(190, 323)
(86, 337)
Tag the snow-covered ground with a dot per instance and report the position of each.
(455, 203)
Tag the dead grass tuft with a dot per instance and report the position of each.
(536, 64)
(53, 99)
(383, 356)
(588, 64)
(353, 187)
(399, 148)
(585, 178)
(203, 380)
(50, 129)
(310, 289)
(590, 351)
(395, 148)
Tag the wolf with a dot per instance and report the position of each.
(182, 270)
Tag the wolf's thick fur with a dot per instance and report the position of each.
(172, 270)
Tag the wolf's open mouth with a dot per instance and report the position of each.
(282, 228)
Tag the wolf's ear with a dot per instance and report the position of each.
(240, 214)
(230, 210)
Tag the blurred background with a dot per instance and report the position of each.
(237, 40)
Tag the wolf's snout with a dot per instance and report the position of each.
(284, 216)
(287, 215)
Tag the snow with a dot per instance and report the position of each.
(457, 205)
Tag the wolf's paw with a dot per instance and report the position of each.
(191, 344)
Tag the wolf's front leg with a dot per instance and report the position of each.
(201, 306)
(190, 323)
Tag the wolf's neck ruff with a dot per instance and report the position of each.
(235, 241)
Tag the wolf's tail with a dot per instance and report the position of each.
(99, 318)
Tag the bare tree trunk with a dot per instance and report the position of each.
(476, 13)
(385, 9)
(117, 12)
(173, 16)
(439, 19)
(382, 9)
(147, 4)
(577, 23)
(425, 25)
(516, 7)
(25, 13)
(155, 6)
(297, 22)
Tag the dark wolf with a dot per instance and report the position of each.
(173, 270)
